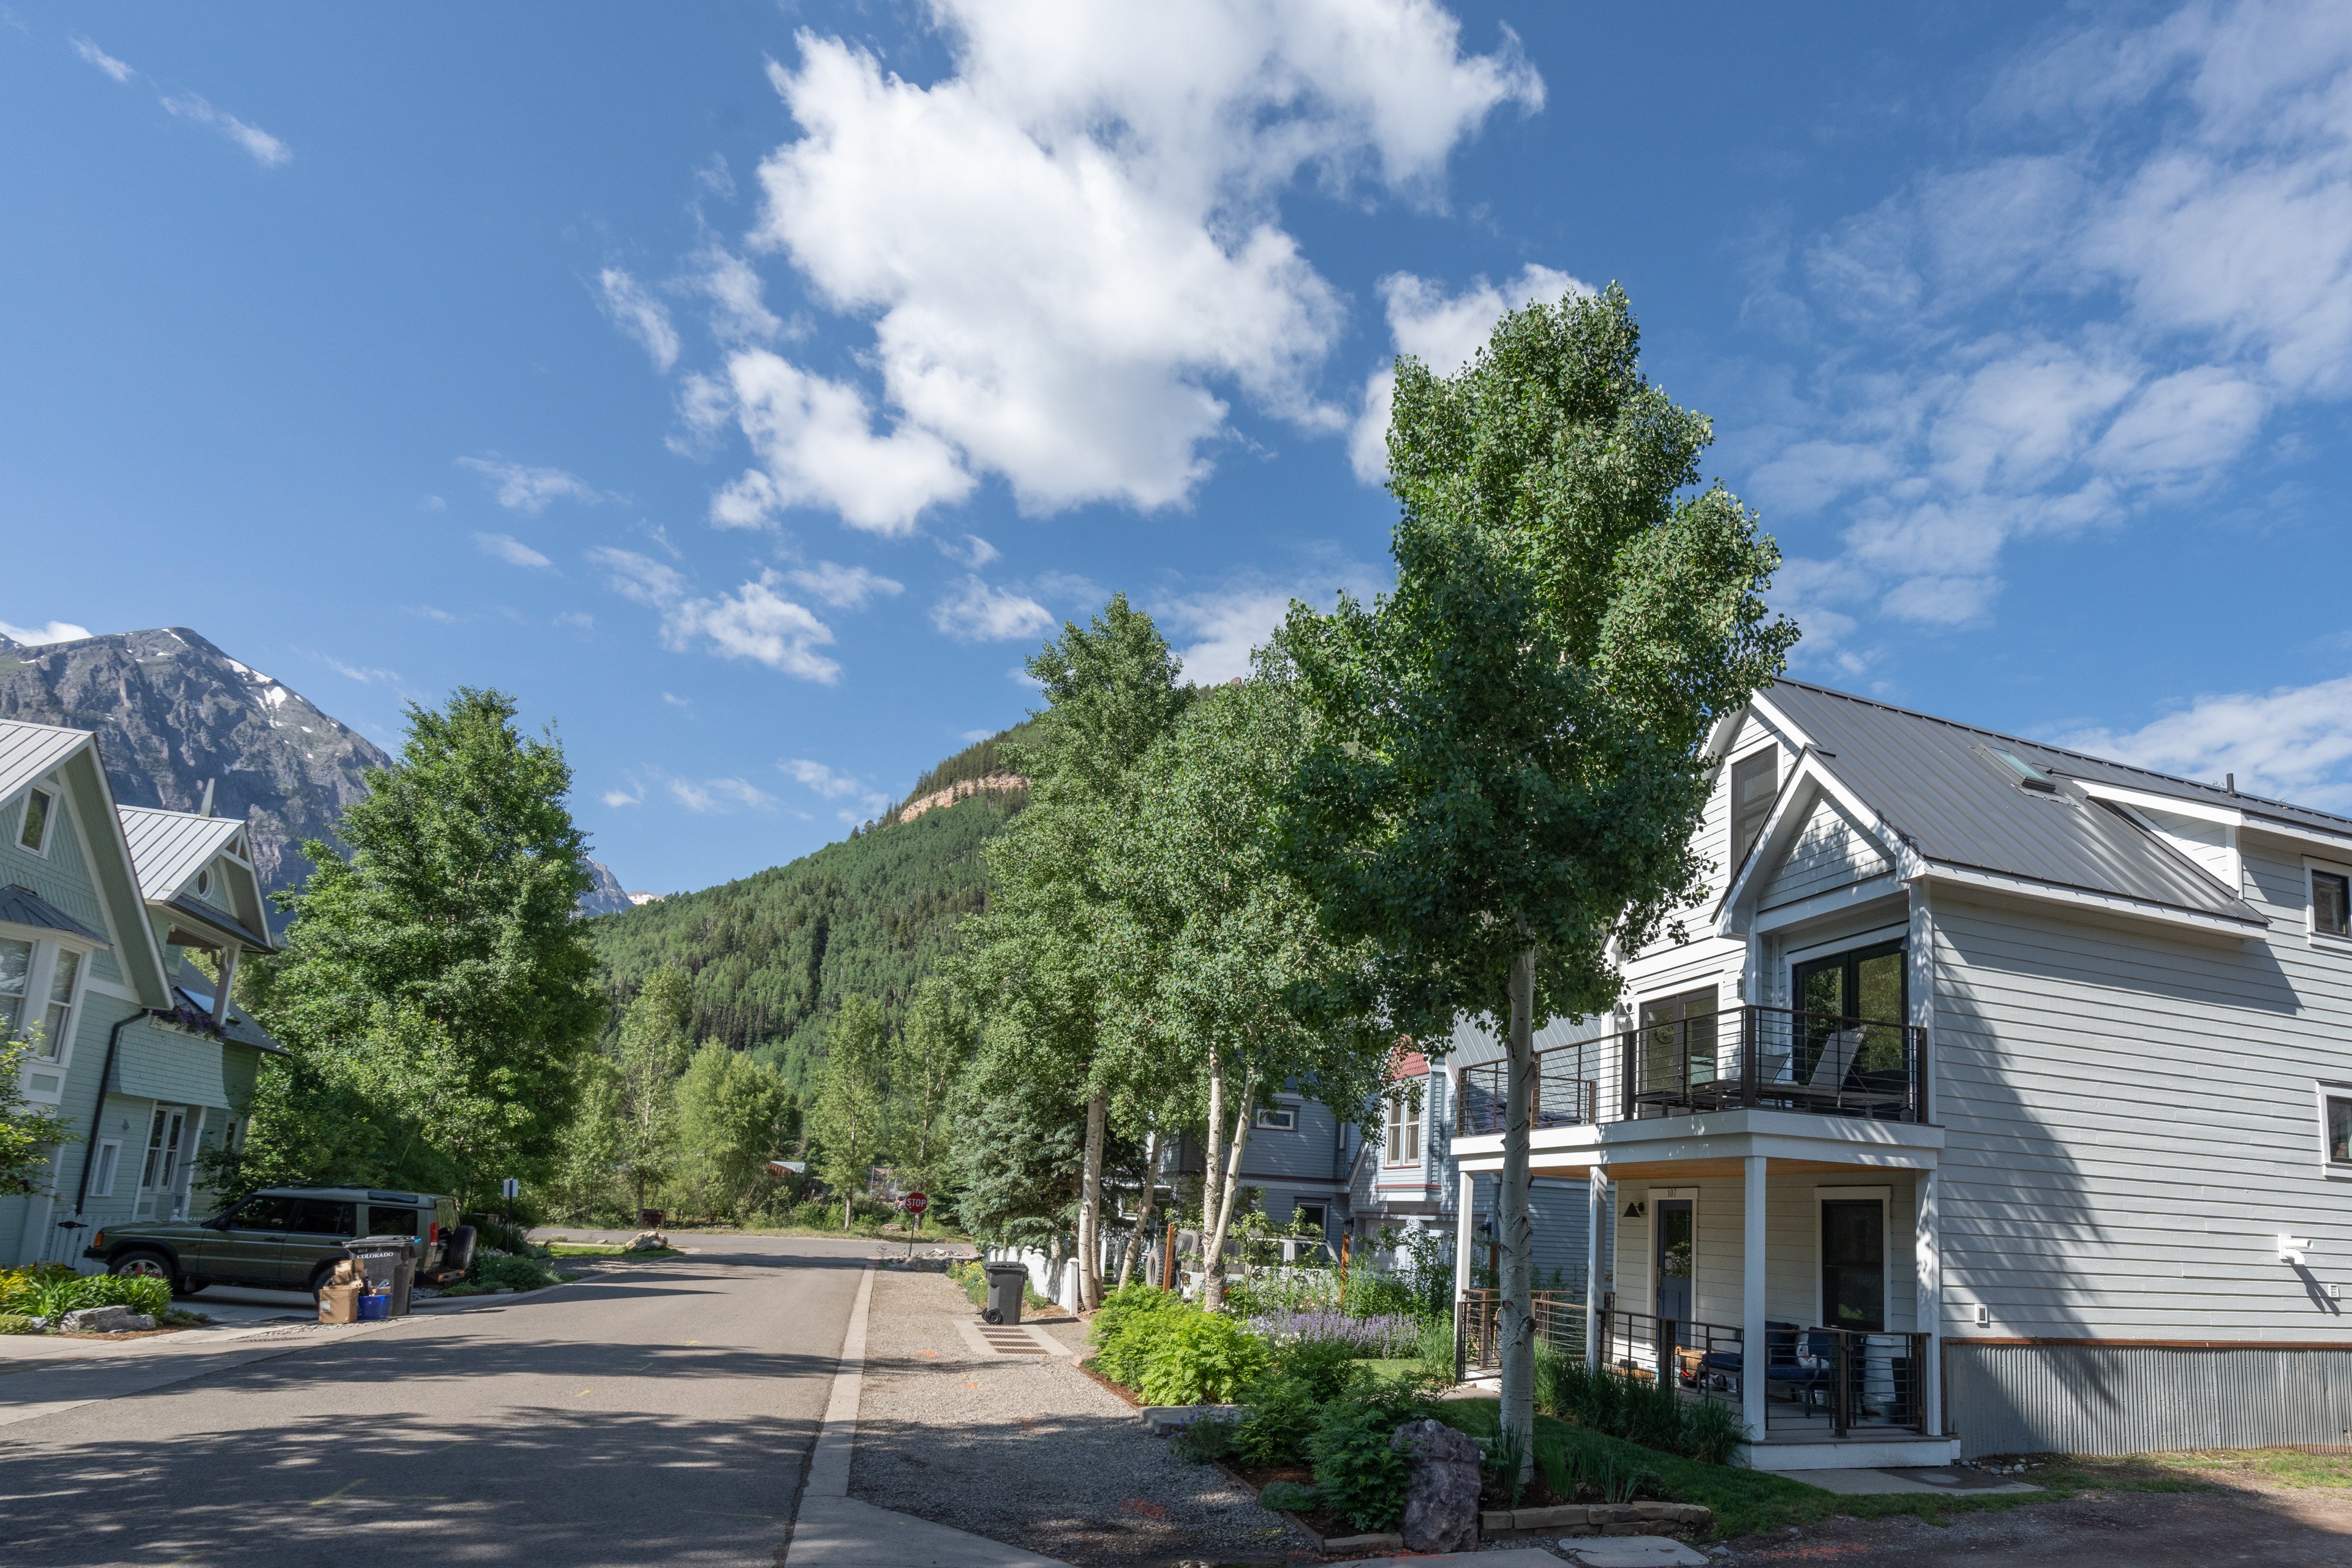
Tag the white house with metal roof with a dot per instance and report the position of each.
(147, 1061)
(2002, 1096)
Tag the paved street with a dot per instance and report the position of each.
(654, 1412)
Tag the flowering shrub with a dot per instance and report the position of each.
(1388, 1334)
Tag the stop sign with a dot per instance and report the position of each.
(917, 1202)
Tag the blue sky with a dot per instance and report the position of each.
(748, 389)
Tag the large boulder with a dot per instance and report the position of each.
(104, 1320)
(1440, 1494)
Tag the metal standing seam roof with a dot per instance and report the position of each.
(19, 905)
(29, 750)
(1925, 777)
(169, 846)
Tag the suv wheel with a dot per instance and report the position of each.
(145, 1265)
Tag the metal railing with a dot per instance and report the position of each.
(1477, 1347)
(1778, 1058)
(1561, 1097)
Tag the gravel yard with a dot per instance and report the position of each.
(1027, 1450)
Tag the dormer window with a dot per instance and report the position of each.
(40, 809)
(205, 883)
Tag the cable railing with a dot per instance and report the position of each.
(1751, 1057)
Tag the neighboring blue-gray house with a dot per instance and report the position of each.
(98, 907)
(2000, 1100)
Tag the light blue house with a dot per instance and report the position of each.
(98, 907)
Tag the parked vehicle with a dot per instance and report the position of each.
(282, 1239)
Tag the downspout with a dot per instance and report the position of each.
(97, 1110)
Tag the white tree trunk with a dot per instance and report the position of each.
(1213, 1244)
(1212, 1168)
(1090, 1205)
(1516, 1327)
(1143, 1212)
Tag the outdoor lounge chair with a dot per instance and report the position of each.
(1801, 1358)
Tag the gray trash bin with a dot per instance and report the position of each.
(390, 1262)
(1007, 1281)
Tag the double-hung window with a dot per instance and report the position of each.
(1403, 1131)
(2331, 904)
(40, 810)
(57, 1018)
(1754, 781)
(2336, 1128)
(16, 974)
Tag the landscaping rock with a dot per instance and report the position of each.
(647, 1241)
(1441, 1497)
(105, 1320)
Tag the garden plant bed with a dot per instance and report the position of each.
(614, 1250)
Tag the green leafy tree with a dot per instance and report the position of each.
(435, 987)
(651, 1054)
(1512, 761)
(734, 1115)
(853, 1098)
(1219, 965)
(930, 1055)
(27, 1132)
(584, 1185)
(1034, 954)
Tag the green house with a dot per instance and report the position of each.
(100, 907)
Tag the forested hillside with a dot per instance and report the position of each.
(772, 956)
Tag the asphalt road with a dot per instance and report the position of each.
(652, 1412)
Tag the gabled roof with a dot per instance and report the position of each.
(21, 906)
(29, 750)
(1944, 801)
(170, 847)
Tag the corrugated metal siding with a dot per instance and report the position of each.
(2130, 1399)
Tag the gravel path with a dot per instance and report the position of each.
(1028, 1450)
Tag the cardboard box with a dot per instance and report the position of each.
(339, 1303)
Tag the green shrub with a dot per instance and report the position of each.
(1210, 1437)
(494, 1271)
(1200, 1358)
(17, 1324)
(1283, 1414)
(54, 1290)
(1356, 1476)
(1325, 1366)
(1128, 1325)
(1503, 1458)
(1635, 1409)
(1712, 1431)
(1435, 1351)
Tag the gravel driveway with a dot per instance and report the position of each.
(1028, 1450)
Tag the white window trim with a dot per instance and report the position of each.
(1407, 1118)
(109, 1159)
(42, 970)
(56, 792)
(1648, 1288)
(1733, 862)
(1280, 1108)
(2326, 942)
(2321, 1091)
(1886, 1199)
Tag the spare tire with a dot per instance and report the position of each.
(458, 1251)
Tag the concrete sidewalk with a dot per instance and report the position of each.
(832, 1530)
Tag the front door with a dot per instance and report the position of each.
(159, 1175)
(1853, 1264)
(1673, 1224)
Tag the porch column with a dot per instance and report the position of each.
(1462, 1235)
(1600, 1207)
(1754, 1353)
(228, 956)
(1929, 1254)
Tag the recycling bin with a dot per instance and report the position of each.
(1006, 1282)
(390, 1263)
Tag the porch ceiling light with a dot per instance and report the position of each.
(2291, 1249)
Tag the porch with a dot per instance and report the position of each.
(1807, 1236)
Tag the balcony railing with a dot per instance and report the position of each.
(1824, 1381)
(1777, 1058)
(1559, 1322)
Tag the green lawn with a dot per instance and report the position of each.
(1747, 1501)
(605, 1249)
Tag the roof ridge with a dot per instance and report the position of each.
(2058, 750)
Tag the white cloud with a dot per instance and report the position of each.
(508, 548)
(100, 59)
(364, 675)
(265, 150)
(816, 440)
(2293, 743)
(431, 613)
(755, 622)
(54, 631)
(675, 701)
(1227, 624)
(717, 797)
(522, 488)
(638, 314)
(844, 587)
(738, 312)
(632, 796)
(1068, 247)
(2096, 317)
(1442, 330)
(577, 620)
(434, 503)
(975, 612)
(973, 551)
(833, 786)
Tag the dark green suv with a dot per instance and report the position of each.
(286, 1238)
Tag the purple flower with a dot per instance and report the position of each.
(1392, 1334)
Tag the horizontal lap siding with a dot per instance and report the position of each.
(1668, 966)
(1830, 852)
(2132, 1124)
(1791, 1248)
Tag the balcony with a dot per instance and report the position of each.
(1748, 1057)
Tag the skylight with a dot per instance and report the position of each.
(2028, 775)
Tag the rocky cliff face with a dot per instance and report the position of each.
(173, 710)
(607, 896)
